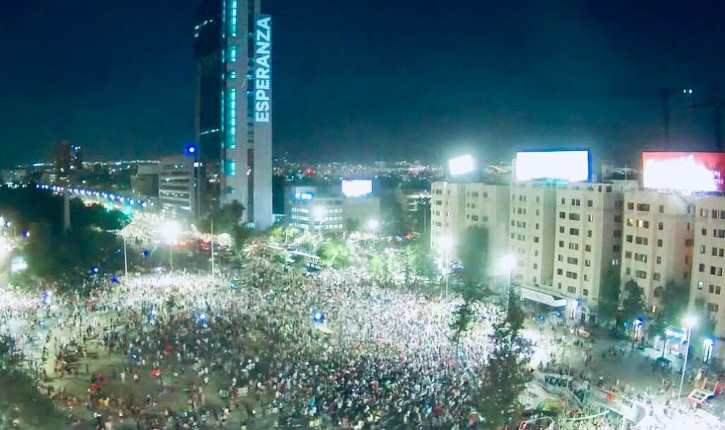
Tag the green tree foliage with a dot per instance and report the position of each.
(336, 253)
(504, 376)
(609, 295)
(674, 298)
(473, 254)
(351, 225)
(53, 253)
(633, 305)
(462, 321)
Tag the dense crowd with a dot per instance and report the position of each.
(277, 348)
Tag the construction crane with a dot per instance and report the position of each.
(667, 94)
(715, 104)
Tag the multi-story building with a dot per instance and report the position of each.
(588, 241)
(233, 106)
(658, 237)
(145, 182)
(708, 261)
(457, 207)
(531, 239)
(67, 157)
(176, 185)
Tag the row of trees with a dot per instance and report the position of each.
(625, 303)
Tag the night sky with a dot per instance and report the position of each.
(358, 79)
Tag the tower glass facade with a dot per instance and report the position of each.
(233, 116)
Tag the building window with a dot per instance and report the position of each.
(585, 292)
(590, 218)
(643, 207)
(559, 272)
(561, 229)
(655, 276)
(701, 268)
(561, 244)
(629, 238)
(590, 203)
(712, 307)
(587, 248)
(703, 213)
(711, 289)
(562, 215)
(702, 249)
(700, 285)
(689, 242)
(662, 209)
(641, 274)
(627, 255)
(630, 222)
(659, 243)
(571, 290)
(630, 206)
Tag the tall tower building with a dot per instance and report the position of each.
(234, 106)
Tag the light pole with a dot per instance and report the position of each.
(508, 262)
(319, 213)
(373, 225)
(125, 258)
(170, 231)
(212, 247)
(689, 323)
(446, 244)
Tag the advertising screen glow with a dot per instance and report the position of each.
(461, 165)
(572, 166)
(684, 171)
(357, 187)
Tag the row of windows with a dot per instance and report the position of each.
(716, 252)
(714, 214)
(475, 194)
(476, 218)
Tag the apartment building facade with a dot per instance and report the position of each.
(658, 240)
(456, 207)
(531, 239)
(588, 238)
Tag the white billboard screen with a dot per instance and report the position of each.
(357, 187)
(572, 166)
(461, 165)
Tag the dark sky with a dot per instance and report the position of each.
(370, 79)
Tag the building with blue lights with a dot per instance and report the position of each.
(234, 107)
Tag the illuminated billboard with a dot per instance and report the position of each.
(357, 187)
(572, 166)
(684, 171)
(461, 165)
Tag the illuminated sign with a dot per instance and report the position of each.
(684, 171)
(572, 166)
(263, 70)
(357, 187)
(461, 165)
(304, 195)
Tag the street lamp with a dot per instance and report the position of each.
(373, 225)
(170, 231)
(318, 213)
(508, 263)
(446, 245)
(689, 322)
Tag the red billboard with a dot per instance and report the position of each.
(685, 171)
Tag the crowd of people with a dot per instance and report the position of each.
(275, 348)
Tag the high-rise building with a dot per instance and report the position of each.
(67, 157)
(234, 106)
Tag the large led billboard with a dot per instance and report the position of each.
(357, 187)
(684, 171)
(572, 166)
(461, 165)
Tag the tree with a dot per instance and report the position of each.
(633, 305)
(474, 256)
(336, 253)
(352, 224)
(504, 376)
(226, 218)
(609, 292)
(674, 298)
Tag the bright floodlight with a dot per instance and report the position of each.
(170, 231)
(461, 165)
(690, 321)
(508, 262)
(373, 224)
(446, 243)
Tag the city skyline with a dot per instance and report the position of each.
(488, 78)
